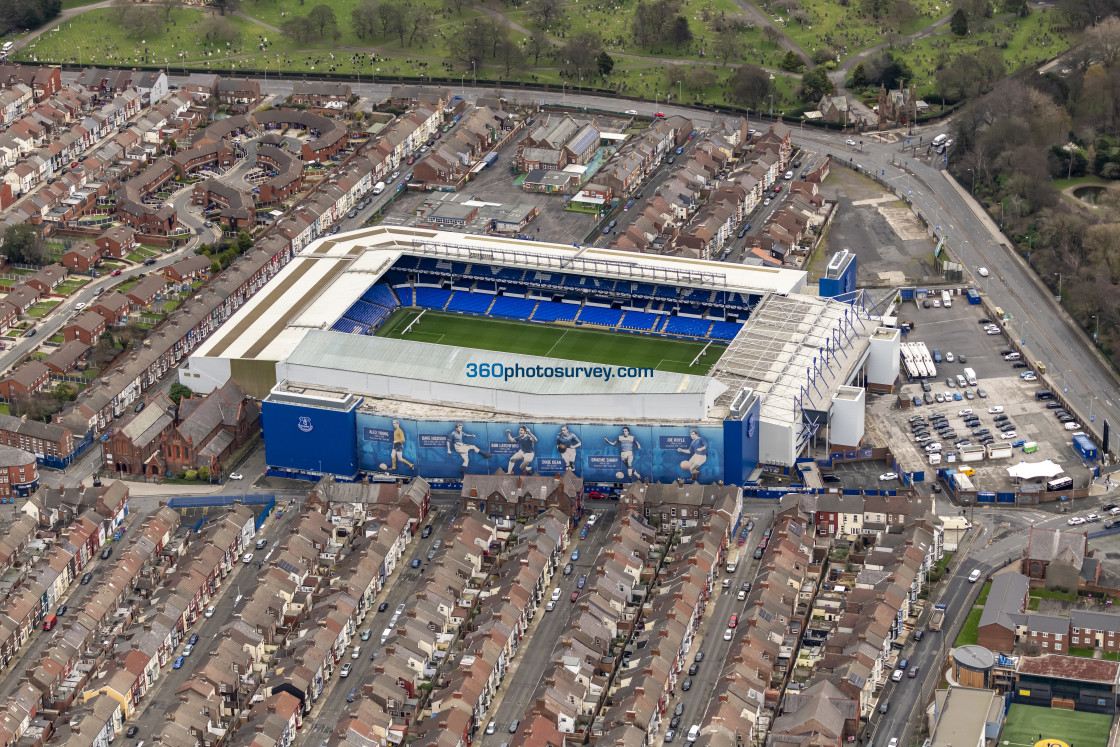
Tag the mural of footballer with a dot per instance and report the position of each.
(698, 454)
(526, 449)
(463, 449)
(626, 444)
(398, 447)
(566, 445)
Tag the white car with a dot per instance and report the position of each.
(965, 411)
(933, 448)
(1074, 521)
(982, 271)
(727, 634)
(79, 306)
(236, 476)
(1072, 426)
(849, 142)
(948, 357)
(247, 557)
(974, 576)
(1030, 377)
(631, 111)
(888, 476)
(936, 303)
(209, 612)
(1009, 435)
(995, 410)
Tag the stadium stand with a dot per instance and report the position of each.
(366, 313)
(404, 293)
(599, 315)
(470, 303)
(724, 330)
(638, 320)
(381, 295)
(683, 325)
(350, 326)
(432, 298)
(550, 311)
(665, 291)
(512, 308)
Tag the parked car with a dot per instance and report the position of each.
(345, 671)
(179, 662)
(209, 612)
(568, 569)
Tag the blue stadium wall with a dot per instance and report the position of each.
(303, 441)
(845, 282)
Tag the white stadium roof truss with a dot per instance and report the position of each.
(520, 257)
(793, 350)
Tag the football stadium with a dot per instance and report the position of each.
(399, 351)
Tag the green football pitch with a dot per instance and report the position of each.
(553, 341)
(1025, 723)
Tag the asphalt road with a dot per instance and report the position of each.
(162, 699)
(74, 598)
(534, 661)
(1088, 381)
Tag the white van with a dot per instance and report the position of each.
(693, 733)
(946, 299)
(379, 188)
(939, 140)
(556, 594)
(385, 635)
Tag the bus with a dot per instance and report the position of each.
(1062, 483)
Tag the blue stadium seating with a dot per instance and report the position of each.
(542, 278)
(644, 289)
(433, 298)
(683, 325)
(666, 291)
(512, 308)
(350, 326)
(509, 273)
(470, 303)
(724, 330)
(428, 264)
(486, 286)
(599, 315)
(462, 284)
(687, 310)
(661, 325)
(366, 313)
(550, 311)
(404, 293)
(639, 320)
(381, 295)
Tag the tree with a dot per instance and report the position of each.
(244, 242)
(675, 74)
(394, 17)
(225, 6)
(701, 77)
(165, 7)
(815, 83)
(64, 392)
(218, 30)
(192, 474)
(727, 46)
(545, 12)
(364, 19)
(323, 20)
(605, 63)
(24, 243)
(751, 86)
(792, 62)
(959, 23)
(859, 76)
(141, 21)
(824, 54)
(580, 55)
(472, 42)
(204, 472)
(681, 32)
(178, 391)
(651, 21)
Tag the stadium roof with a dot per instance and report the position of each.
(445, 364)
(782, 341)
(324, 280)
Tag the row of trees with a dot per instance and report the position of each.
(1013, 142)
(320, 24)
(17, 15)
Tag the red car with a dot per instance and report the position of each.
(116, 272)
(733, 621)
(777, 188)
(742, 540)
(659, 114)
(575, 595)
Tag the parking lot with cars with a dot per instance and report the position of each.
(1007, 404)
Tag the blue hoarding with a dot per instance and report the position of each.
(597, 453)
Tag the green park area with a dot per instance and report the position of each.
(1025, 723)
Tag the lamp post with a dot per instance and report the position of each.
(1097, 319)
(973, 175)
(1059, 286)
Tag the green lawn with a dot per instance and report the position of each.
(845, 28)
(944, 562)
(984, 594)
(1052, 594)
(1025, 723)
(553, 341)
(1025, 42)
(969, 633)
